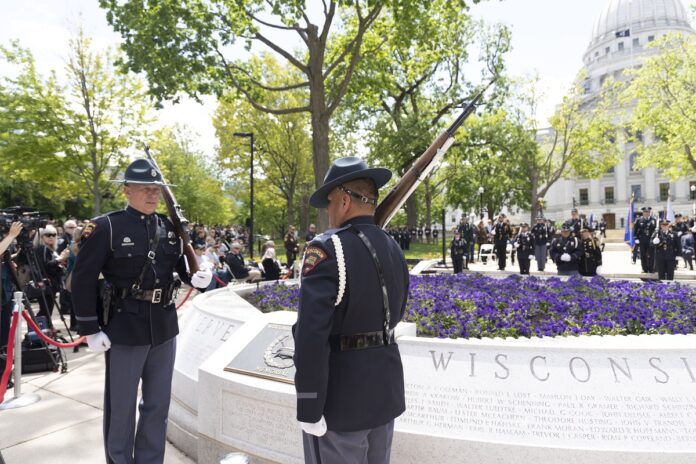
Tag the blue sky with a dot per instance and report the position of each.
(549, 38)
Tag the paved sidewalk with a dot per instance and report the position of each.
(65, 427)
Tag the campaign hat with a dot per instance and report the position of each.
(344, 170)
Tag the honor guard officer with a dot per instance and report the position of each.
(541, 236)
(524, 244)
(458, 249)
(137, 251)
(501, 234)
(349, 377)
(667, 248)
(643, 230)
(591, 257)
(565, 252)
(574, 223)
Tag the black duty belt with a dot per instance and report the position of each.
(154, 296)
(359, 341)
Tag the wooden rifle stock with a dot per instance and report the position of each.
(423, 166)
(177, 218)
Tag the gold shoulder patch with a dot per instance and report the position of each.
(313, 256)
(87, 231)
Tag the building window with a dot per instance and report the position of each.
(596, 54)
(621, 46)
(636, 192)
(584, 197)
(609, 195)
(636, 42)
(610, 170)
(632, 162)
(651, 38)
(664, 191)
(623, 222)
(692, 190)
(602, 78)
(606, 50)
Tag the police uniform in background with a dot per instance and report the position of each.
(349, 377)
(574, 223)
(137, 254)
(643, 230)
(667, 248)
(591, 257)
(541, 236)
(566, 251)
(457, 251)
(524, 244)
(501, 235)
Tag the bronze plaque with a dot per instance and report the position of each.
(268, 355)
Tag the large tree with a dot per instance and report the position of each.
(662, 94)
(190, 46)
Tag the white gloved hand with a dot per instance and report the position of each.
(565, 257)
(98, 342)
(656, 240)
(317, 429)
(517, 245)
(493, 232)
(637, 241)
(599, 270)
(201, 279)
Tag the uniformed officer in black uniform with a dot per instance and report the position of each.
(591, 257)
(349, 376)
(643, 230)
(524, 245)
(667, 248)
(501, 235)
(575, 223)
(137, 251)
(566, 251)
(540, 233)
(458, 249)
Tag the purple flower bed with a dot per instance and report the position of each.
(468, 305)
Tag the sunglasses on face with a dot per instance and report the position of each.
(49, 235)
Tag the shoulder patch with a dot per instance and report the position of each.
(314, 255)
(88, 230)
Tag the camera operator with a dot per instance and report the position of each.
(52, 264)
(7, 286)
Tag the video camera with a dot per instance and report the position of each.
(29, 217)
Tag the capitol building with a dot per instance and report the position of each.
(619, 39)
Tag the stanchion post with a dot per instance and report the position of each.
(19, 400)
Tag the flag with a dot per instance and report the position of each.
(592, 220)
(624, 33)
(628, 235)
(670, 212)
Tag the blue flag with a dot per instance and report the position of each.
(628, 235)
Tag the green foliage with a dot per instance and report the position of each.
(661, 96)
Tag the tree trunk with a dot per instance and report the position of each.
(291, 208)
(304, 213)
(428, 203)
(411, 212)
(96, 194)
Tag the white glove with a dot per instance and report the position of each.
(656, 240)
(637, 241)
(517, 245)
(98, 342)
(493, 232)
(565, 257)
(599, 270)
(317, 429)
(201, 279)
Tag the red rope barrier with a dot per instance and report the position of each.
(188, 294)
(9, 359)
(219, 280)
(49, 340)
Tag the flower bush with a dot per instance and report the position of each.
(471, 305)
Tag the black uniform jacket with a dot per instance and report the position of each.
(116, 245)
(562, 245)
(356, 389)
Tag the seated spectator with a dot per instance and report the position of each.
(271, 268)
(240, 271)
(204, 262)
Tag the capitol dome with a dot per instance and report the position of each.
(637, 15)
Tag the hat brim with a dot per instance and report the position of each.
(131, 182)
(380, 176)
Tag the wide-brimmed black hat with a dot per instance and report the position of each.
(344, 170)
(141, 171)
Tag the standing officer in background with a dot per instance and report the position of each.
(524, 244)
(591, 257)
(311, 233)
(643, 230)
(574, 223)
(458, 249)
(541, 236)
(667, 248)
(565, 252)
(137, 251)
(349, 377)
(501, 234)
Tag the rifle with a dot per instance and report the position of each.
(423, 166)
(177, 217)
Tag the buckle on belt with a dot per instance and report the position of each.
(151, 254)
(156, 295)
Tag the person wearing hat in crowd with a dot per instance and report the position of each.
(66, 239)
(501, 234)
(575, 223)
(52, 265)
(524, 245)
(349, 376)
(679, 226)
(667, 248)
(458, 249)
(591, 257)
(643, 229)
(237, 266)
(542, 238)
(687, 250)
(137, 251)
(566, 251)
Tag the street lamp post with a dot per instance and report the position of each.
(480, 191)
(251, 190)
